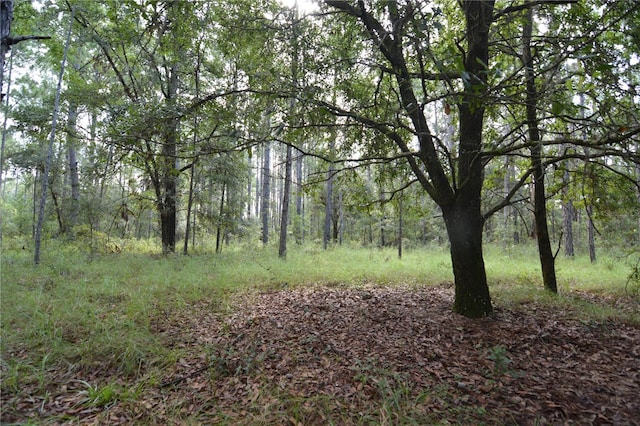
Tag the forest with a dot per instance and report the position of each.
(320, 212)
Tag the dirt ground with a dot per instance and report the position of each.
(368, 355)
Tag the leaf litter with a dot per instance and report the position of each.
(364, 355)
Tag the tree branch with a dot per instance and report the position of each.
(513, 9)
(9, 41)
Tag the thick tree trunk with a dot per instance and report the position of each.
(168, 205)
(464, 228)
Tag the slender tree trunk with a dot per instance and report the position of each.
(591, 231)
(335, 218)
(249, 180)
(220, 218)
(400, 226)
(192, 172)
(266, 192)
(341, 223)
(299, 215)
(58, 209)
(638, 196)
(72, 142)
(286, 190)
(567, 220)
(328, 205)
(547, 261)
(506, 187)
(187, 230)
(567, 216)
(4, 130)
(52, 135)
(284, 216)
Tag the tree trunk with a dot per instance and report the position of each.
(249, 180)
(328, 205)
(638, 196)
(400, 226)
(187, 230)
(464, 228)
(547, 261)
(284, 217)
(72, 141)
(4, 130)
(52, 135)
(266, 192)
(168, 202)
(299, 211)
(591, 231)
(340, 219)
(567, 217)
(220, 216)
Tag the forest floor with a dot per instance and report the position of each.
(362, 355)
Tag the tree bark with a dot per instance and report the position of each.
(284, 216)
(187, 231)
(400, 226)
(167, 205)
(220, 216)
(567, 216)
(464, 228)
(547, 260)
(328, 205)
(4, 133)
(266, 192)
(299, 206)
(72, 142)
(591, 234)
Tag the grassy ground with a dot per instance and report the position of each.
(97, 316)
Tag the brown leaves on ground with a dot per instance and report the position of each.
(375, 355)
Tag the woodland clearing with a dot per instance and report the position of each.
(369, 354)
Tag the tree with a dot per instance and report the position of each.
(49, 156)
(7, 39)
(547, 259)
(458, 194)
(148, 58)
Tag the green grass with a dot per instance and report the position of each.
(72, 304)
(95, 311)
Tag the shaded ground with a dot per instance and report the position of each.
(371, 355)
